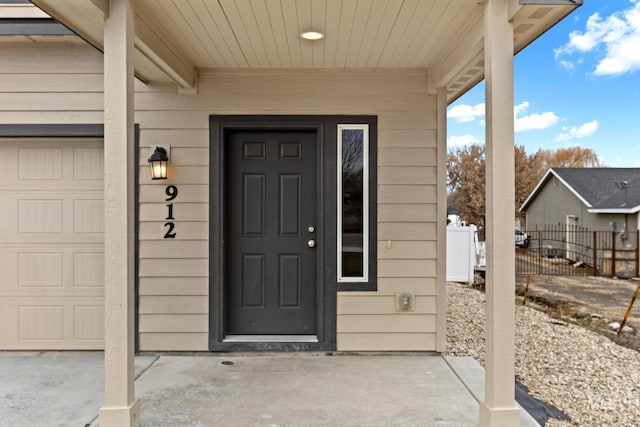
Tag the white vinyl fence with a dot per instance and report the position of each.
(461, 253)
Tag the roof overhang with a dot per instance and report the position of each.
(32, 27)
(553, 2)
(464, 67)
(631, 210)
(154, 59)
(175, 39)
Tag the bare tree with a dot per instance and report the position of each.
(465, 180)
(570, 157)
(529, 169)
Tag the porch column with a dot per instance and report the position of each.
(120, 408)
(441, 233)
(498, 407)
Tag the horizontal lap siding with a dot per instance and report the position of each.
(173, 276)
(406, 240)
(51, 83)
(173, 273)
(406, 192)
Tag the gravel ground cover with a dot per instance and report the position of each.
(584, 374)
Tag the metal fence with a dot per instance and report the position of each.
(568, 250)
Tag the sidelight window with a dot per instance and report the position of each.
(353, 202)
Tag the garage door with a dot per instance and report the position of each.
(51, 244)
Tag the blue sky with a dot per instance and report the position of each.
(578, 84)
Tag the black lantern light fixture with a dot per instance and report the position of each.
(158, 163)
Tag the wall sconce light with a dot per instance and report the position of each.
(158, 163)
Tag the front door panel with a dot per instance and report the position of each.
(271, 257)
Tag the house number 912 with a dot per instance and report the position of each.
(172, 192)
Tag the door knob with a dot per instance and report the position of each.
(311, 243)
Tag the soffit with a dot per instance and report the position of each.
(444, 36)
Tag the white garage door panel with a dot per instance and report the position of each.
(70, 216)
(52, 270)
(61, 323)
(51, 244)
(36, 214)
(53, 164)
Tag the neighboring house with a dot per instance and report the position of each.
(306, 188)
(599, 199)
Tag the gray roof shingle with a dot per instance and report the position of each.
(598, 186)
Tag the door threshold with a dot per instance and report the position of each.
(271, 338)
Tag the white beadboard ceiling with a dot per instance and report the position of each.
(265, 33)
(174, 38)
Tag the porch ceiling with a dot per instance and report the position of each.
(175, 38)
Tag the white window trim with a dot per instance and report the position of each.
(365, 204)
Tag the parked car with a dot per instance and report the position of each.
(522, 240)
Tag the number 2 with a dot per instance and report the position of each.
(170, 234)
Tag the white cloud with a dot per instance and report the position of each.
(532, 121)
(535, 121)
(577, 132)
(618, 33)
(462, 140)
(466, 113)
(520, 108)
(566, 65)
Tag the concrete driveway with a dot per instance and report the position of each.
(53, 388)
(284, 389)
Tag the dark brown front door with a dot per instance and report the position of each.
(271, 188)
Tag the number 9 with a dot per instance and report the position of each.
(172, 192)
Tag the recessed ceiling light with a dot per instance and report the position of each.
(312, 35)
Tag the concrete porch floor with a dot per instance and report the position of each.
(283, 389)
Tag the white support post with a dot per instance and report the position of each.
(498, 407)
(120, 408)
(441, 234)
